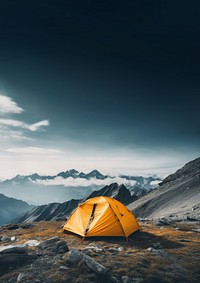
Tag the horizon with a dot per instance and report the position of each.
(111, 173)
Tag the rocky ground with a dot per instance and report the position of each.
(163, 251)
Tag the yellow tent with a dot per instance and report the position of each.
(102, 216)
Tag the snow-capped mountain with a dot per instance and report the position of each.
(145, 182)
(41, 189)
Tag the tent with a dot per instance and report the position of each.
(102, 216)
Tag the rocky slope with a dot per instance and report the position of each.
(11, 208)
(177, 197)
(56, 211)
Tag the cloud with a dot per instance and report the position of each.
(7, 105)
(155, 183)
(20, 124)
(79, 182)
(8, 134)
(36, 126)
(34, 150)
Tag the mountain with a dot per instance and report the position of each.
(177, 197)
(95, 174)
(10, 208)
(57, 211)
(39, 189)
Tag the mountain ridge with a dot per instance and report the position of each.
(177, 197)
(58, 211)
(38, 189)
(10, 208)
(73, 173)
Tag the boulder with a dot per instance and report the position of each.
(94, 265)
(14, 260)
(54, 245)
(14, 249)
(75, 257)
(5, 238)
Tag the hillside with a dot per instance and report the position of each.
(177, 197)
(10, 208)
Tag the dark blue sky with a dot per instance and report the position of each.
(105, 74)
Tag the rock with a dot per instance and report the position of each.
(32, 243)
(54, 245)
(63, 268)
(164, 222)
(94, 265)
(75, 257)
(27, 226)
(192, 218)
(13, 239)
(196, 230)
(5, 238)
(13, 227)
(14, 250)
(160, 253)
(113, 250)
(13, 260)
(94, 248)
(120, 249)
(20, 277)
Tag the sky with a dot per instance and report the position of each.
(107, 85)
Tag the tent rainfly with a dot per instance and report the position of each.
(102, 216)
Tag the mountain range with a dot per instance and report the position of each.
(58, 211)
(71, 184)
(176, 198)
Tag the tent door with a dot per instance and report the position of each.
(91, 219)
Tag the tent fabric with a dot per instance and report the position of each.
(102, 216)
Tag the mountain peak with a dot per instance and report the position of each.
(73, 171)
(95, 174)
(69, 173)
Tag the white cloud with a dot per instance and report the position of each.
(7, 105)
(8, 134)
(36, 126)
(20, 124)
(79, 182)
(155, 183)
(33, 150)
